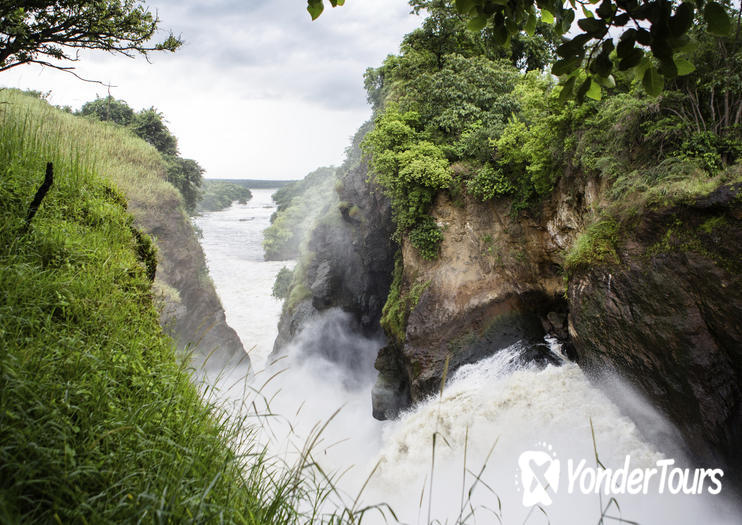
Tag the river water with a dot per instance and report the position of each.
(507, 435)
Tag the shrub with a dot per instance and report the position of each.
(282, 285)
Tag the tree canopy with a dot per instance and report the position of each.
(649, 38)
(52, 32)
(457, 113)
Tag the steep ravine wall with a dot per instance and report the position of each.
(348, 260)
(498, 279)
(192, 311)
(666, 316)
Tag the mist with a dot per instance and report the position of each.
(488, 414)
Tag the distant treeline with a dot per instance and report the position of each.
(257, 184)
(218, 194)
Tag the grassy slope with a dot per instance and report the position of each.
(97, 422)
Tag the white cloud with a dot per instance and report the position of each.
(259, 90)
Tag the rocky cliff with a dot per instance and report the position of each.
(191, 309)
(659, 304)
(498, 280)
(348, 260)
(662, 310)
(666, 314)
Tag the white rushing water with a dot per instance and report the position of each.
(491, 411)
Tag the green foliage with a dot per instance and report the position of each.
(217, 195)
(596, 245)
(186, 176)
(409, 170)
(709, 149)
(149, 124)
(109, 109)
(299, 207)
(298, 289)
(652, 35)
(444, 100)
(427, 238)
(489, 183)
(46, 31)
(282, 285)
(285, 194)
(400, 303)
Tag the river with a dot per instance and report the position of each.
(506, 434)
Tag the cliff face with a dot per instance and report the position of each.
(348, 262)
(192, 312)
(664, 313)
(498, 279)
(668, 316)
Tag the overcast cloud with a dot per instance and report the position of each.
(258, 90)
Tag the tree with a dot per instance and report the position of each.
(47, 31)
(186, 176)
(109, 109)
(149, 124)
(647, 37)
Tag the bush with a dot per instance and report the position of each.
(427, 238)
(282, 284)
(489, 183)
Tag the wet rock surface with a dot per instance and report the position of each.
(668, 317)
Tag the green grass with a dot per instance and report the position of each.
(596, 245)
(98, 421)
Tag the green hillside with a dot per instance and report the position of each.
(98, 422)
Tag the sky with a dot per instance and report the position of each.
(257, 91)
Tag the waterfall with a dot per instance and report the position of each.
(489, 414)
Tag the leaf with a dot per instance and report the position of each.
(631, 58)
(570, 48)
(621, 20)
(607, 82)
(531, 24)
(605, 11)
(653, 82)
(643, 36)
(315, 8)
(668, 69)
(682, 20)
(594, 92)
(501, 35)
(586, 12)
(717, 19)
(568, 16)
(685, 66)
(593, 26)
(566, 92)
(477, 23)
(464, 6)
(565, 66)
(582, 90)
(547, 17)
